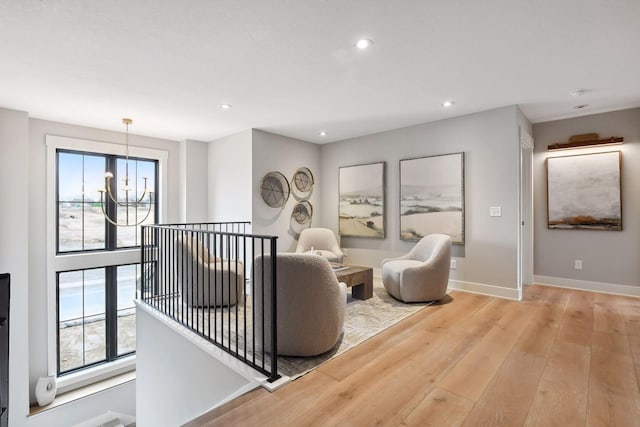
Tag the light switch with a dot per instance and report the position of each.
(495, 211)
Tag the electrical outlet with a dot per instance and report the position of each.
(495, 211)
(577, 264)
(453, 264)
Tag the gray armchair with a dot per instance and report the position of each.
(423, 273)
(310, 307)
(322, 242)
(205, 280)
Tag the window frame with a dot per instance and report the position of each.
(93, 258)
(110, 163)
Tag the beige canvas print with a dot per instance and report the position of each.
(361, 207)
(583, 192)
(432, 197)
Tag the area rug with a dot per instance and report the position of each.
(363, 320)
(232, 328)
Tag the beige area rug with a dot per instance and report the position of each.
(363, 320)
(230, 327)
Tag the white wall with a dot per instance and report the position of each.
(194, 188)
(37, 305)
(608, 257)
(229, 178)
(490, 143)
(178, 381)
(273, 152)
(14, 252)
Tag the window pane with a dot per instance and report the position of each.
(70, 226)
(94, 339)
(127, 278)
(126, 235)
(70, 296)
(94, 231)
(71, 345)
(94, 169)
(126, 331)
(146, 170)
(94, 292)
(69, 177)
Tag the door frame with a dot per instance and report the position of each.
(525, 210)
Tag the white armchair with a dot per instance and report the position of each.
(423, 273)
(310, 307)
(322, 242)
(205, 280)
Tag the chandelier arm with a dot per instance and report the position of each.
(142, 197)
(146, 216)
(105, 213)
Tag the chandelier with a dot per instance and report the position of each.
(131, 200)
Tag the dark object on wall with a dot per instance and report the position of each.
(4, 346)
(275, 189)
(585, 140)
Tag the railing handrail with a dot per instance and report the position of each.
(177, 227)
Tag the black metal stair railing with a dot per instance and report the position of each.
(199, 275)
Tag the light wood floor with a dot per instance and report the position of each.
(558, 358)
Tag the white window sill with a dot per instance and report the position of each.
(95, 374)
(84, 391)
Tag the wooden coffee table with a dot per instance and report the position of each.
(359, 279)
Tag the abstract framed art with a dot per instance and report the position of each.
(361, 200)
(432, 197)
(584, 191)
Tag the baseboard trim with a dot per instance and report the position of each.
(585, 285)
(484, 289)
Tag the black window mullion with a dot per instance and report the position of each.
(111, 312)
(111, 232)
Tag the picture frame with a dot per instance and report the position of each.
(432, 197)
(361, 200)
(584, 191)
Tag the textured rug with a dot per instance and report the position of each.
(363, 320)
(232, 328)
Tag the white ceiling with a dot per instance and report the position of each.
(289, 66)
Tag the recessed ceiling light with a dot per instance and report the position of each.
(448, 103)
(364, 43)
(577, 92)
(323, 133)
(581, 106)
(225, 106)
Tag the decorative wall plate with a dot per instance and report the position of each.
(303, 180)
(302, 212)
(275, 189)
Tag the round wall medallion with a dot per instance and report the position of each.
(303, 179)
(275, 189)
(302, 212)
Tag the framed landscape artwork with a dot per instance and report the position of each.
(432, 197)
(361, 204)
(583, 192)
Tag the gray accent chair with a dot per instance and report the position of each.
(320, 241)
(310, 304)
(205, 280)
(423, 273)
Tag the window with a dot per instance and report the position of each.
(94, 264)
(96, 316)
